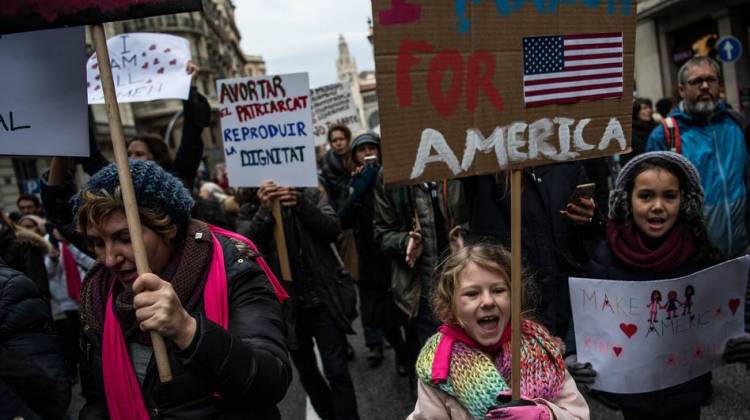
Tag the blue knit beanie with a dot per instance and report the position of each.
(154, 188)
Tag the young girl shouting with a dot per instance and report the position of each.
(464, 369)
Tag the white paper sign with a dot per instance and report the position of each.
(642, 336)
(267, 130)
(145, 67)
(43, 108)
(333, 104)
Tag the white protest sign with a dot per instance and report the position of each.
(267, 130)
(333, 104)
(145, 67)
(43, 108)
(642, 336)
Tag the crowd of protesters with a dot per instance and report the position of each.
(425, 268)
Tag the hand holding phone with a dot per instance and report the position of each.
(580, 207)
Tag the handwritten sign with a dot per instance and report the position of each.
(649, 335)
(43, 108)
(267, 130)
(145, 67)
(333, 104)
(475, 87)
(25, 15)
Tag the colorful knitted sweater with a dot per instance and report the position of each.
(476, 378)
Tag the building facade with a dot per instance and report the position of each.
(362, 84)
(215, 46)
(669, 32)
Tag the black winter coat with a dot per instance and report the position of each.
(605, 265)
(33, 379)
(335, 178)
(310, 228)
(25, 255)
(247, 365)
(552, 245)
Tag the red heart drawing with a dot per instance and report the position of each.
(629, 329)
(617, 351)
(733, 304)
(95, 65)
(161, 70)
(144, 66)
(167, 50)
(173, 62)
(156, 61)
(152, 47)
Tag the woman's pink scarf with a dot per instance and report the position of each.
(121, 387)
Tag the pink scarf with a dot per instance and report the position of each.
(72, 275)
(442, 362)
(121, 387)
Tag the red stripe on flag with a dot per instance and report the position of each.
(572, 79)
(592, 56)
(590, 46)
(571, 89)
(613, 66)
(575, 99)
(585, 36)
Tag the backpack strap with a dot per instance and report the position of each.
(744, 124)
(672, 135)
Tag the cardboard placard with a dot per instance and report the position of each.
(145, 67)
(43, 108)
(642, 336)
(24, 15)
(333, 104)
(267, 130)
(474, 87)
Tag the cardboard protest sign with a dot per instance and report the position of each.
(474, 87)
(25, 15)
(43, 108)
(333, 104)
(145, 67)
(267, 130)
(642, 336)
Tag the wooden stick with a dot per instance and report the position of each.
(126, 182)
(278, 234)
(515, 280)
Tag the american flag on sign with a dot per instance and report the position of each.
(572, 68)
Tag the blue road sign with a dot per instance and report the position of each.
(729, 49)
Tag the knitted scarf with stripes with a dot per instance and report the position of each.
(476, 378)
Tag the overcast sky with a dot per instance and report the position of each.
(302, 35)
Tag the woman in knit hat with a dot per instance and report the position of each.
(208, 295)
(464, 369)
(655, 231)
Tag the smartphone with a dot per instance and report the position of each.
(371, 160)
(582, 191)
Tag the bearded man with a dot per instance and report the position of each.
(712, 136)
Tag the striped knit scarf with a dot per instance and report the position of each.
(476, 378)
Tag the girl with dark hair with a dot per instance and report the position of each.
(655, 231)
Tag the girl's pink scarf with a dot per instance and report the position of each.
(121, 387)
(72, 275)
(442, 360)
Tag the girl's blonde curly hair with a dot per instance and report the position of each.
(493, 258)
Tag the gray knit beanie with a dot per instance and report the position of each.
(691, 200)
(154, 188)
(365, 138)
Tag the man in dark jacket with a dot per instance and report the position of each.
(380, 316)
(33, 380)
(322, 301)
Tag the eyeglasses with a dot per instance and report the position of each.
(698, 81)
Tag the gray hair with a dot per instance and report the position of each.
(697, 61)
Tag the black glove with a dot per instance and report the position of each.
(363, 182)
(582, 373)
(738, 350)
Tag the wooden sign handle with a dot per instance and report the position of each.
(126, 183)
(515, 279)
(280, 238)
